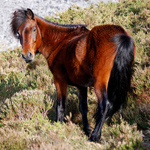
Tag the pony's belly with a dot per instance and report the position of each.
(84, 81)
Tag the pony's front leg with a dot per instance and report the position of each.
(61, 88)
(83, 109)
(101, 114)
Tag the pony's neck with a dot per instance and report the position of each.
(51, 35)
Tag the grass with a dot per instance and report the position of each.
(28, 95)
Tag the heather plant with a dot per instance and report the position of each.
(28, 95)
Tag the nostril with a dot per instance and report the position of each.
(30, 55)
(23, 56)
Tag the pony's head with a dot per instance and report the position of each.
(25, 28)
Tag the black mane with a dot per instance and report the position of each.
(67, 25)
(19, 16)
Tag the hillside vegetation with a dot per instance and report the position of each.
(28, 95)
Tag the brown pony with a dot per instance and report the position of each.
(101, 57)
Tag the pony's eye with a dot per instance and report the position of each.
(17, 35)
(34, 29)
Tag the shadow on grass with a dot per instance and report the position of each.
(71, 104)
(71, 107)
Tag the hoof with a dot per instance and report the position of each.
(94, 139)
(87, 132)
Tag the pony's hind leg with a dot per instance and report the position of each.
(103, 104)
(83, 109)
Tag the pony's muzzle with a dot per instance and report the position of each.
(29, 58)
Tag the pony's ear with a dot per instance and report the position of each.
(30, 14)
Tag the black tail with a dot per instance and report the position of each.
(120, 78)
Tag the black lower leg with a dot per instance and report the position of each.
(101, 115)
(83, 109)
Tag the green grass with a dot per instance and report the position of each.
(28, 95)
